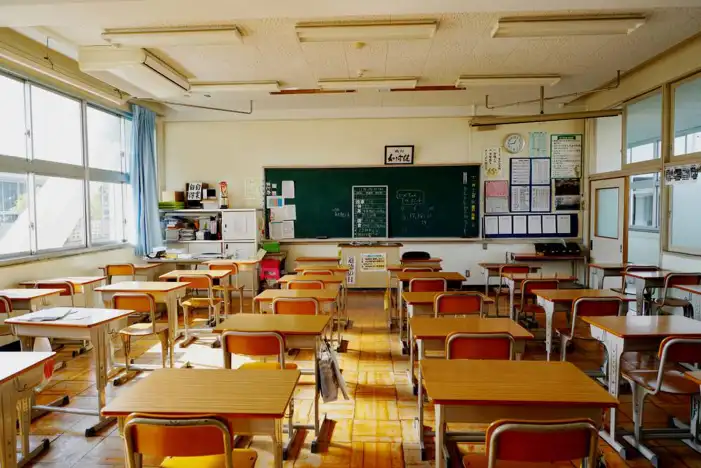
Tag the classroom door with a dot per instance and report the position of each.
(607, 220)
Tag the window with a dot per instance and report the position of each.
(644, 129)
(687, 117)
(645, 201)
(685, 226)
(607, 212)
(53, 201)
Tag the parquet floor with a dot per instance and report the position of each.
(373, 429)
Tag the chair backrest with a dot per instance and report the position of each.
(305, 284)
(595, 307)
(296, 306)
(198, 282)
(530, 285)
(428, 285)
(541, 441)
(6, 306)
(138, 302)
(641, 268)
(479, 346)
(317, 272)
(516, 269)
(121, 269)
(676, 349)
(66, 287)
(415, 255)
(232, 267)
(680, 279)
(177, 436)
(458, 303)
(419, 269)
(253, 344)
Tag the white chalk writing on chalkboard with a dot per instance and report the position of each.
(411, 197)
(369, 207)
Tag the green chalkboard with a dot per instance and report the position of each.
(423, 201)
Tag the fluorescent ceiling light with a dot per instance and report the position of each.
(369, 83)
(365, 31)
(54, 74)
(590, 25)
(214, 87)
(506, 80)
(176, 36)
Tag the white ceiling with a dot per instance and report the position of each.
(462, 45)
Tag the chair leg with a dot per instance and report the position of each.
(290, 420)
(240, 300)
(163, 338)
(638, 401)
(563, 348)
(126, 346)
(186, 322)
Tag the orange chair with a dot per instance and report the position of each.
(661, 377)
(588, 307)
(120, 269)
(231, 288)
(458, 303)
(296, 306)
(419, 269)
(141, 303)
(479, 346)
(317, 272)
(305, 284)
(667, 301)
(528, 306)
(428, 285)
(503, 270)
(209, 301)
(66, 287)
(537, 442)
(203, 441)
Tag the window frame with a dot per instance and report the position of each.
(32, 168)
(653, 164)
(672, 99)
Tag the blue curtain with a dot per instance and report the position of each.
(144, 180)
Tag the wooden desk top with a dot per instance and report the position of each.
(396, 267)
(225, 392)
(144, 286)
(546, 258)
(635, 326)
(232, 261)
(16, 363)
(536, 276)
(571, 295)
(694, 376)
(323, 278)
(81, 317)
(215, 274)
(660, 274)
(336, 268)
(474, 382)
(75, 280)
(439, 328)
(447, 275)
(496, 266)
(318, 259)
(25, 294)
(321, 295)
(693, 288)
(422, 260)
(149, 266)
(283, 324)
(609, 266)
(429, 297)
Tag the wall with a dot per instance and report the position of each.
(237, 152)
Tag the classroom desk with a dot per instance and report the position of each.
(254, 401)
(602, 270)
(20, 373)
(633, 333)
(326, 261)
(324, 296)
(163, 292)
(694, 292)
(334, 268)
(643, 280)
(82, 324)
(535, 258)
(252, 265)
(392, 283)
(81, 284)
(406, 277)
(549, 298)
(148, 271)
(299, 332)
(29, 299)
(481, 392)
(333, 281)
(491, 270)
(219, 278)
(511, 280)
(431, 333)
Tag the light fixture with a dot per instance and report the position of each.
(576, 25)
(366, 31)
(488, 121)
(54, 74)
(506, 80)
(215, 87)
(175, 36)
(369, 83)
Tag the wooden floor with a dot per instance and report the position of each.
(373, 429)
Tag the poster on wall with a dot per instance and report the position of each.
(538, 144)
(373, 261)
(520, 198)
(566, 155)
(677, 175)
(492, 162)
(568, 195)
(496, 198)
(350, 276)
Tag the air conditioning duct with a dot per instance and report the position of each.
(133, 70)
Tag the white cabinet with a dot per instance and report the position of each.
(240, 250)
(239, 225)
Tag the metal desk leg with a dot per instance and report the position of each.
(486, 281)
(639, 296)
(100, 340)
(549, 308)
(440, 436)
(400, 307)
(420, 398)
(512, 286)
(277, 443)
(8, 406)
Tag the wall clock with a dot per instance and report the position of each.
(514, 143)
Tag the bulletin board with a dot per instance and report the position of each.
(540, 196)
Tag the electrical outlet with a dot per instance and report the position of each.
(467, 273)
(484, 246)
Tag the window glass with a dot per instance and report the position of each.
(644, 129)
(644, 222)
(60, 212)
(607, 212)
(106, 212)
(56, 127)
(685, 226)
(608, 144)
(14, 214)
(104, 140)
(687, 117)
(12, 122)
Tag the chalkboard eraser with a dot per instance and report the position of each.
(322, 237)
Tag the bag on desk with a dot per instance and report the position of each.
(329, 376)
